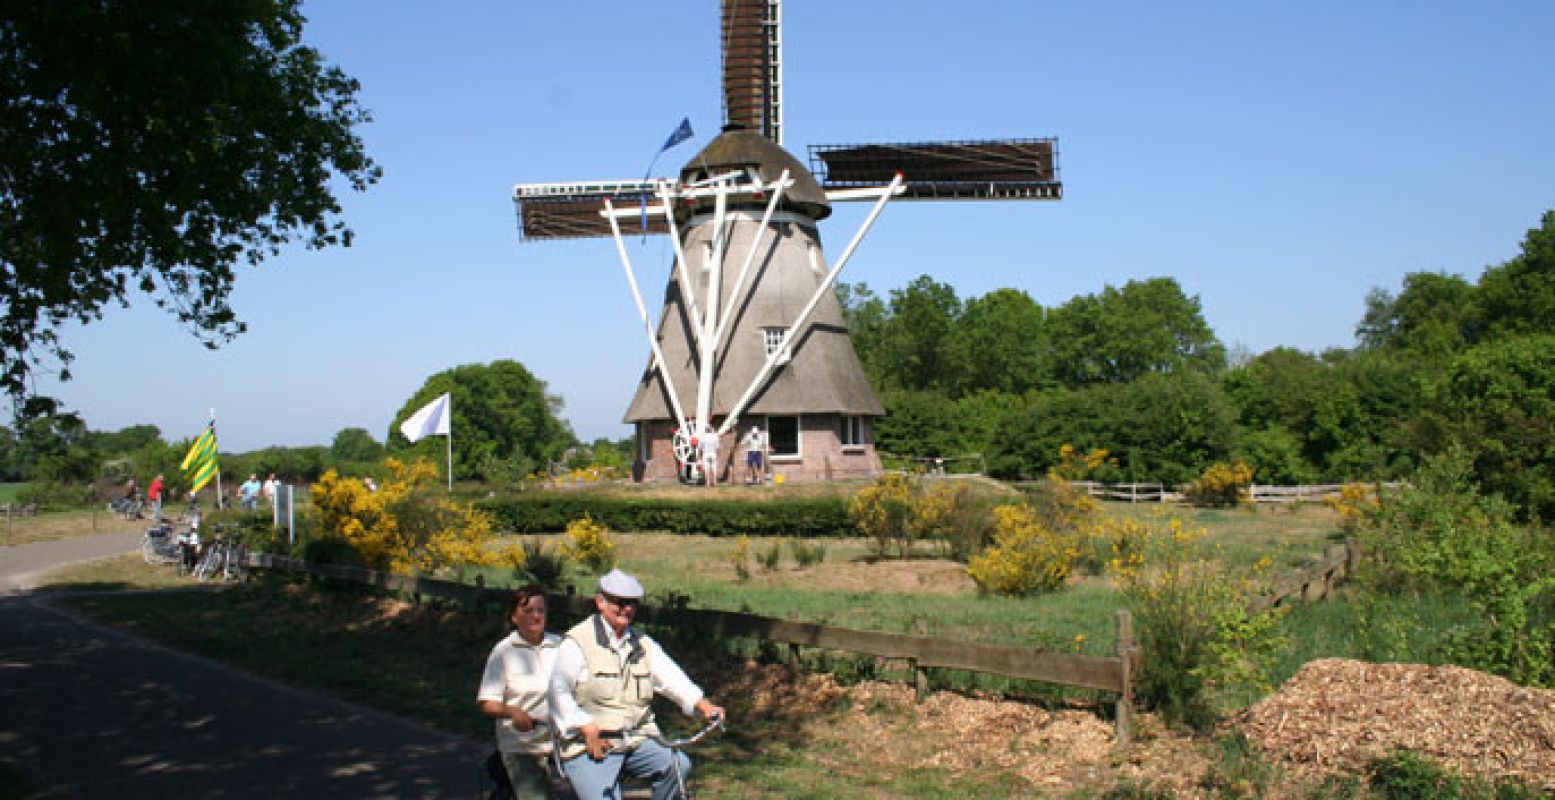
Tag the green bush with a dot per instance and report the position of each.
(56, 496)
(550, 513)
(771, 557)
(1201, 648)
(1440, 535)
(542, 565)
(1404, 775)
(807, 554)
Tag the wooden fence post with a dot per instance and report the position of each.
(1125, 653)
(920, 674)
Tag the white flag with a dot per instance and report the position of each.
(432, 420)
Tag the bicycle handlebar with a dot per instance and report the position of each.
(680, 744)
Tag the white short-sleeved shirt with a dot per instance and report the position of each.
(519, 674)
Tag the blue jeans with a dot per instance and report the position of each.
(600, 780)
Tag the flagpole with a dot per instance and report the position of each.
(218, 462)
(449, 415)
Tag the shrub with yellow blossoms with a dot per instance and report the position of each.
(1354, 503)
(1027, 555)
(1222, 484)
(588, 543)
(882, 511)
(1074, 465)
(1192, 621)
(406, 526)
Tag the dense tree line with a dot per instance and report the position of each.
(1136, 370)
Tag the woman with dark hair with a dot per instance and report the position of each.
(513, 689)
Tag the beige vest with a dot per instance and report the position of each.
(615, 694)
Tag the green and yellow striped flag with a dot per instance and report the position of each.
(200, 465)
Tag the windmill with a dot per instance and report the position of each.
(751, 332)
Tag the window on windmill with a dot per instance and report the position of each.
(771, 340)
(783, 436)
(853, 432)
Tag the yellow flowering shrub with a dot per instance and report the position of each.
(1191, 620)
(588, 543)
(1074, 465)
(741, 558)
(1222, 484)
(950, 512)
(882, 510)
(405, 526)
(1027, 556)
(1354, 503)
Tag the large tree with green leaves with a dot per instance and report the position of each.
(914, 344)
(151, 147)
(1121, 335)
(998, 344)
(503, 421)
(1434, 316)
(1518, 297)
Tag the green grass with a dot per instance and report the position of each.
(54, 525)
(1290, 535)
(698, 568)
(1371, 628)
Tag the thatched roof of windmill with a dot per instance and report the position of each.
(737, 149)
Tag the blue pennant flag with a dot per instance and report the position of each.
(681, 134)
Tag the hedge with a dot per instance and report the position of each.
(807, 517)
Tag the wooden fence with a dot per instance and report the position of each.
(1308, 584)
(1315, 581)
(1168, 493)
(1108, 674)
(19, 509)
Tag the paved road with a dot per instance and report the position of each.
(21, 565)
(97, 713)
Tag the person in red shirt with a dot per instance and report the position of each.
(154, 494)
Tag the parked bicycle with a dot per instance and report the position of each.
(224, 557)
(160, 544)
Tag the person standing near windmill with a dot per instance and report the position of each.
(709, 441)
(755, 445)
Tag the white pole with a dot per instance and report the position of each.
(705, 370)
(291, 515)
(772, 359)
(217, 456)
(450, 456)
(750, 257)
(642, 311)
(666, 194)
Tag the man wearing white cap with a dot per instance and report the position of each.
(606, 674)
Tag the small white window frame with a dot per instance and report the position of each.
(798, 454)
(853, 433)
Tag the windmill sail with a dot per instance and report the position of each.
(753, 66)
(1000, 169)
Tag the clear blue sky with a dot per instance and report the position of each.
(1278, 160)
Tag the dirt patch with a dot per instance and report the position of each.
(876, 727)
(924, 576)
(1335, 715)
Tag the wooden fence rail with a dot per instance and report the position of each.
(1315, 581)
(1174, 493)
(1108, 674)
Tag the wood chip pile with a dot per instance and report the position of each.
(1336, 715)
